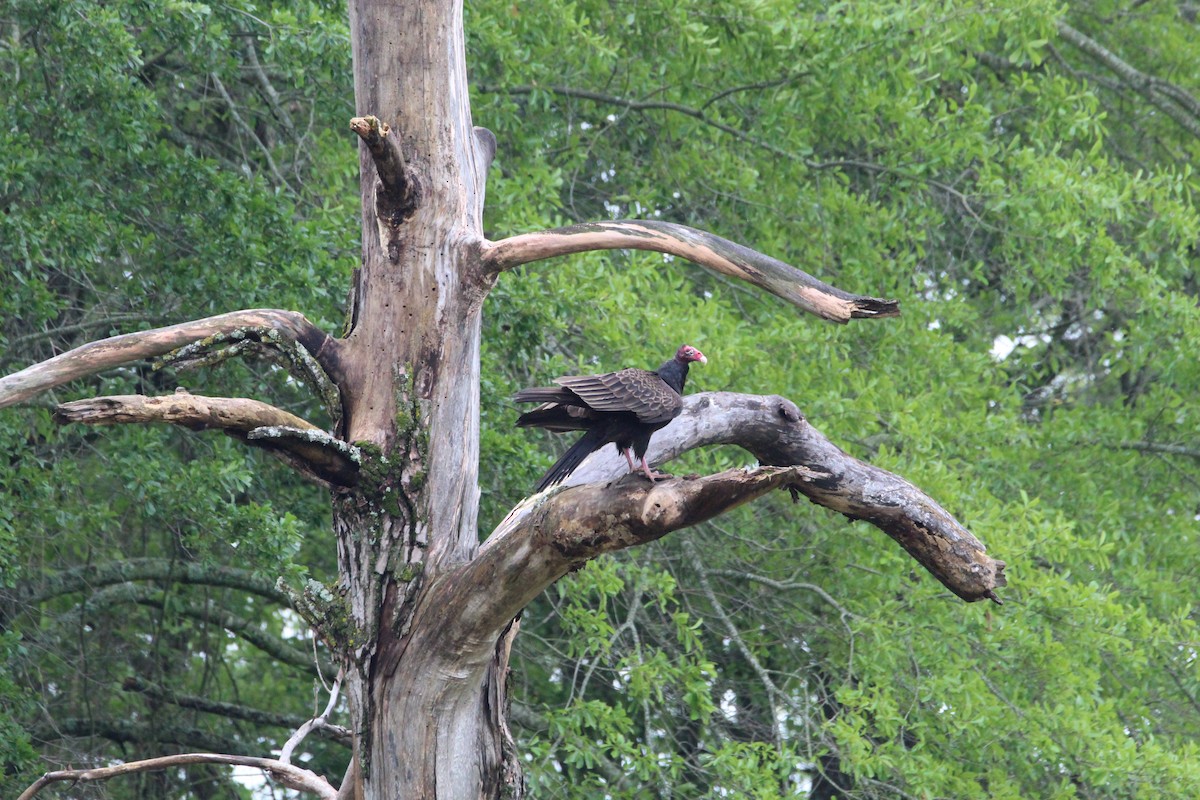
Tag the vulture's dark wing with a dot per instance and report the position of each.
(558, 418)
(636, 391)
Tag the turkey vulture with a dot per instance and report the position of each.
(624, 408)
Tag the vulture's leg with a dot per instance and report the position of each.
(628, 451)
(651, 474)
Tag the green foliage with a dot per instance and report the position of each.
(159, 162)
(1036, 220)
(1039, 230)
(17, 755)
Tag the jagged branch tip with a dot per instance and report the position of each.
(395, 175)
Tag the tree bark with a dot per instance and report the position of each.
(411, 401)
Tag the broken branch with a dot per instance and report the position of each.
(385, 151)
(708, 250)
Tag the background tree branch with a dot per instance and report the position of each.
(338, 733)
(297, 778)
(246, 629)
(90, 577)
(1168, 98)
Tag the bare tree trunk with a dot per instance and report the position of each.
(426, 713)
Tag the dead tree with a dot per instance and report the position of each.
(423, 618)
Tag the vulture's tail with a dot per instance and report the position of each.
(592, 440)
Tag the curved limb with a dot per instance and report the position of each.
(89, 577)
(708, 250)
(297, 778)
(551, 533)
(301, 444)
(98, 356)
(775, 432)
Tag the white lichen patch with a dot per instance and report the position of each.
(314, 435)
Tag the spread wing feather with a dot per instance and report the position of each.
(635, 391)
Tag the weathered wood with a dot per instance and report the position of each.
(182, 408)
(550, 534)
(411, 399)
(95, 357)
(773, 429)
(728, 258)
(389, 159)
(298, 442)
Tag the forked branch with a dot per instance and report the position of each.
(316, 723)
(550, 534)
(700, 247)
(95, 357)
(775, 432)
(269, 343)
(298, 778)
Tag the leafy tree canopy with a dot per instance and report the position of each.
(1026, 197)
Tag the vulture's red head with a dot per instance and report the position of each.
(687, 354)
